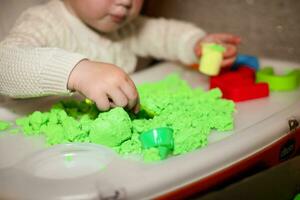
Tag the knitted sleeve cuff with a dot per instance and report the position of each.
(55, 74)
(187, 54)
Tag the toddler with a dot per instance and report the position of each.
(90, 46)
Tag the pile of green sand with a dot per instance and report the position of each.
(191, 113)
(4, 125)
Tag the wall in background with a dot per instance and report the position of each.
(269, 28)
(10, 11)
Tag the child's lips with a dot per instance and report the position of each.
(118, 18)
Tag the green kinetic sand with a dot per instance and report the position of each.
(191, 113)
(297, 197)
(4, 125)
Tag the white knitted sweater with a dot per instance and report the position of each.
(47, 42)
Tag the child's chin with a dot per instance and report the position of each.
(111, 27)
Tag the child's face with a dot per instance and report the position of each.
(105, 15)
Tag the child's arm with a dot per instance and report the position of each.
(166, 39)
(32, 66)
(176, 40)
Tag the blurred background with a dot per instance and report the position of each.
(268, 28)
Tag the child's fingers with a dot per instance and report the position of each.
(117, 97)
(198, 49)
(131, 95)
(136, 108)
(227, 38)
(112, 104)
(228, 62)
(131, 92)
(231, 51)
(101, 101)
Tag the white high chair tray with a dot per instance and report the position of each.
(29, 170)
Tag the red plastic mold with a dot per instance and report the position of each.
(239, 85)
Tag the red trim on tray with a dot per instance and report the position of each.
(270, 156)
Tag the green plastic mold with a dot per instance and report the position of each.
(161, 138)
(284, 82)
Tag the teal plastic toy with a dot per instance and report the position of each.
(249, 61)
(161, 138)
(285, 82)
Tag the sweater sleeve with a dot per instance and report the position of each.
(166, 39)
(29, 66)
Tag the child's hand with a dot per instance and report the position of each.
(229, 41)
(106, 84)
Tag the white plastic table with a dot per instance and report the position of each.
(262, 133)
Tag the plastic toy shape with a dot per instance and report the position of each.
(285, 82)
(212, 56)
(161, 138)
(242, 75)
(250, 61)
(244, 92)
(239, 85)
